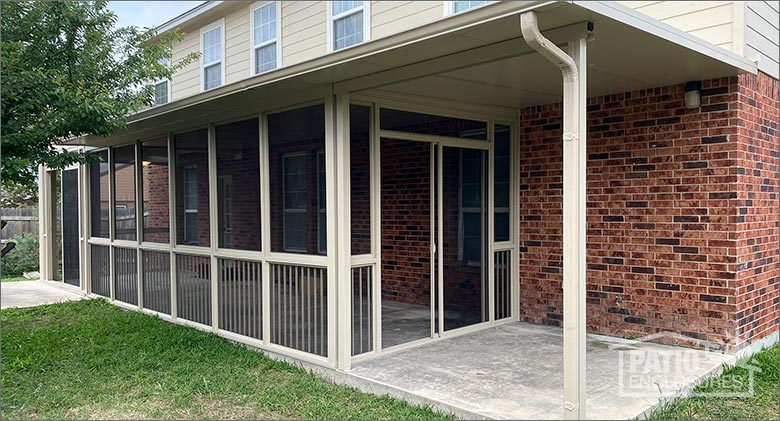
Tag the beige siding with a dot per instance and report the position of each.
(304, 31)
(237, 45)
(761, 35)
(392, 17)
(712, 21)
(186, 81)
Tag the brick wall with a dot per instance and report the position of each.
(757, 298)
(666, 215)
(406, 221)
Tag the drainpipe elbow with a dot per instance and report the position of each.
(529, 26)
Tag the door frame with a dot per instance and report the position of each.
(493, 116)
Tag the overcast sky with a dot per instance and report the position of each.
(149, 13)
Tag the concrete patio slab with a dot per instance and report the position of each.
(515, 371)
(34, 293)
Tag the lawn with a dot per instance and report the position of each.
(763, 405)
(89, 359)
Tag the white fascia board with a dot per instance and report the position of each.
(190, 14)
(628, 16)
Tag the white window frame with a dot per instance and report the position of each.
(365, 8)
(285, 211)
(221, 25)
(161, 81)
(277, 39)
(449, 7)
(167, 82)
(187, 170)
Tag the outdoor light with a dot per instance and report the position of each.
(692, 98)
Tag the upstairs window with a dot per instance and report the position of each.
(162, 87)
(265, 45)
(349, 25)
(453, 7)
(211, 55)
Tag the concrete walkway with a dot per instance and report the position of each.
(33, 293)
(515, 371)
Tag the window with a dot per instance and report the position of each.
(294, 179)
(226, 211)
(211, 56)
(190, 204)
(348, 24)
(162, 87)
(124, 193)
(98, 195)
(470, 231)
(154, 190)
(238, 184)
(453, 7)
(191, 178)
(265, 45)
(322, 215)
(360, 178)
(501, 177)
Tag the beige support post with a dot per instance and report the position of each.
(342, 241)
(43, 237)
(574, 206)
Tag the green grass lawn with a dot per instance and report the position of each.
(89, 359)
(15, 279)
(763, 405)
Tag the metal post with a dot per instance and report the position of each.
(342, 241)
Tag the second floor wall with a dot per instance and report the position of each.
(253, 37)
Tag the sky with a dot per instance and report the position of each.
(149, 13)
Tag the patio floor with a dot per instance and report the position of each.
(514, 371)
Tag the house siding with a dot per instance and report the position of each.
(762, 20)
(186, 82)
(392, 17)
(237, 45)
(673, 216)
(304, 31)
(712, 21)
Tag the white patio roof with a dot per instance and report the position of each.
(477, 57)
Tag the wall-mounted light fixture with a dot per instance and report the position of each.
(692, 95)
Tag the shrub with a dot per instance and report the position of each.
(23, 258)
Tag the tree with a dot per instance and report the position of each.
(68, 70)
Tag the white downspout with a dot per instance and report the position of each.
(573, 68)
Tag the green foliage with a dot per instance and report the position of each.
(16, 195)
(764, 404)
(68, 71)
(89, 359)
(23, 258)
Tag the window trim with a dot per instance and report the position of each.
(285, 210)
(449, 7)
(221, 25)
(277, 39)
(161, 81)
(365, 8)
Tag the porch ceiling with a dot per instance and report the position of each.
(477, 57)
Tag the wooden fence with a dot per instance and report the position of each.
(20, 221)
